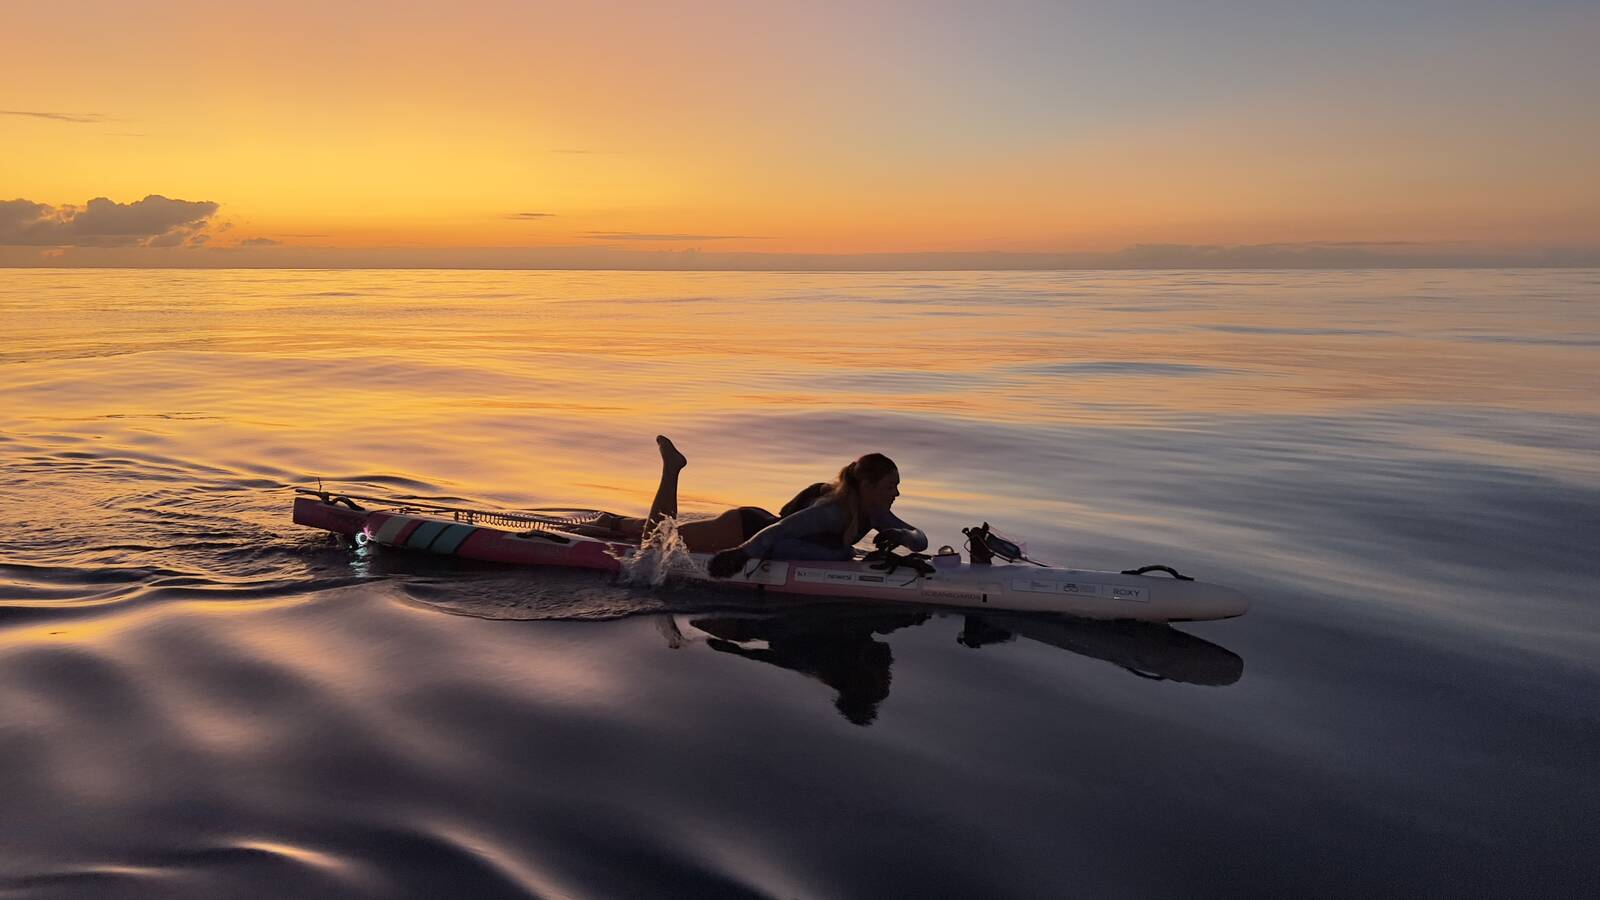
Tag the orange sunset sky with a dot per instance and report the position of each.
(798, 134)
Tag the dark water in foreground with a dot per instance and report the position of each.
(198, 699)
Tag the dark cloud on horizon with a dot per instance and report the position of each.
(647, 236)
(259, 242)
(1355, 244)
(530, 215)
(77, 118)
(1311, 254)
(155, 221)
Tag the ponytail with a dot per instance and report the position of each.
(846, 489)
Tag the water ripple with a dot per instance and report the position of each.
(198, 698)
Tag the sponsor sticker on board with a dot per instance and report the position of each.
(766, 573)
(861, 579)
(1082, 589)
(1136, 594)
(945, 593)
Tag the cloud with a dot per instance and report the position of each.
(529, 215)
(646, 236)
(15, 213)
(1362, 244)
(1312, 254)
(79, 118)
(259, 242)
(155, 221)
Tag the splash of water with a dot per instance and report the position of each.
(661, 556)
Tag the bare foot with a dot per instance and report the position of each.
(670, 457)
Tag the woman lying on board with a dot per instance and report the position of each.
(822, 522)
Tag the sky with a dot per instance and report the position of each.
(862, 134)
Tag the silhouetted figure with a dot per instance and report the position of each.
(837, 649)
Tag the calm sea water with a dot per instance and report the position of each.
(199, 699)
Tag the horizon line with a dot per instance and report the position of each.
(814, 271)
(1318, 255)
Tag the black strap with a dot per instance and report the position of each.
(1167, 569)
(330, 498)
(887, 561)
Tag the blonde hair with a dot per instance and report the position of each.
(846, 489)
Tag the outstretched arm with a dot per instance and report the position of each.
(908, 536)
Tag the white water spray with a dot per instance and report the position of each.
(661, 555)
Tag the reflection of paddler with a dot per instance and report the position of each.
(837, 650)
(1148, 650)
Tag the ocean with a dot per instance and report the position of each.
(1401, 467)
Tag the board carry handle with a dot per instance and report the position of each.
(1167, 569)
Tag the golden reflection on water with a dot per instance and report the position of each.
(1400, 462)
(532, 388)
(519, 384)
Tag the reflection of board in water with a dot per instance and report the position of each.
(1148, 650)
(840, 647)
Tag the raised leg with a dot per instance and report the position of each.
(665, 503)
(701, 535)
